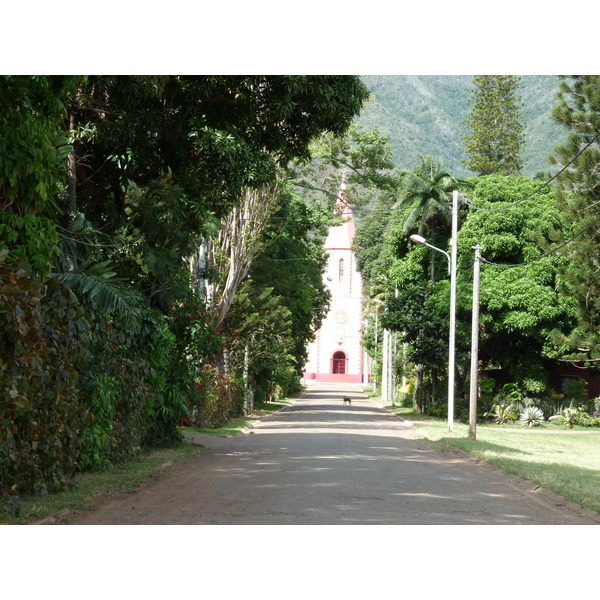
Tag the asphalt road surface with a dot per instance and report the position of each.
(321, 462)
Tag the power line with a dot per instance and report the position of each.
(541, 187)
(546, 255)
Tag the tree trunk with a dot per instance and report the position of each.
(239, 240)
(419, 387)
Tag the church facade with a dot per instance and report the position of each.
(337, 354)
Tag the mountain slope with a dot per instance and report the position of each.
(424, 114)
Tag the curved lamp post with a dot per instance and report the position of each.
(451, 355)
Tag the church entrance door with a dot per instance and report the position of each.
(339, 363)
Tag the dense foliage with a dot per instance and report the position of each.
(578, 191)
(540, 249)
(522, 308)
(525, 315)
(126, 202)
(109, 188)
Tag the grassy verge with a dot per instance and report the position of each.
(88, 487)
(127, 477)
(563, 460)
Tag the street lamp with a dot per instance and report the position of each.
(452, 270)
(421, 240)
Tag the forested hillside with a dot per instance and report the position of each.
(424, 114)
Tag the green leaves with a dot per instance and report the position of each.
(98, 285)
(578, 111)
(521, 307)
(30, 237)
(154, 163)
(32, 146)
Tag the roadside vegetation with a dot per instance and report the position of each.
(88, 488)
(538, 313)
(238, 424)
(160, 265)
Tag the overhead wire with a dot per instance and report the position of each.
(541, 187)
(546, 255)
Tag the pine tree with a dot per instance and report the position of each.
(579, 198)
(496, 139)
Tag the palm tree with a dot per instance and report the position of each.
(429, 193)
(427, 203)
(80, 267)
(428, 200)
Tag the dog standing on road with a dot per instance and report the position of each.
(348, 400)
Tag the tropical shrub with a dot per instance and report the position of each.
(217, 398)
(532, 416)
(509, 393)
(439, 410)
(502, 413)
(486, 390)
(43, 330)
(571, 416)
(61, 410)
(30, 237)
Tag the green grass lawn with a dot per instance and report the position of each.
(566, 461)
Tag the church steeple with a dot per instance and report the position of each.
(340, 237)
(337, 352)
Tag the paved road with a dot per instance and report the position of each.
(319, 462)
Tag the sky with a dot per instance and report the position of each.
(310, 37)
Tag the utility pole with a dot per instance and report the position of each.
(385, 378)
(391, 366)
(394, 361)
(452, 338)
(474, 345)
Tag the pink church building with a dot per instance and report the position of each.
(337, 354)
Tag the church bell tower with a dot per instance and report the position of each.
(336, 354)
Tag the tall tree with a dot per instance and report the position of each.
(522, 313)
(230, 255)
(280, 304)
(191, 148)
(428, 199)
(578, 196)
(496, 139)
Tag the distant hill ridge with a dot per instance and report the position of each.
(424, 114)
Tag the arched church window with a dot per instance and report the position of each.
(341, 270)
